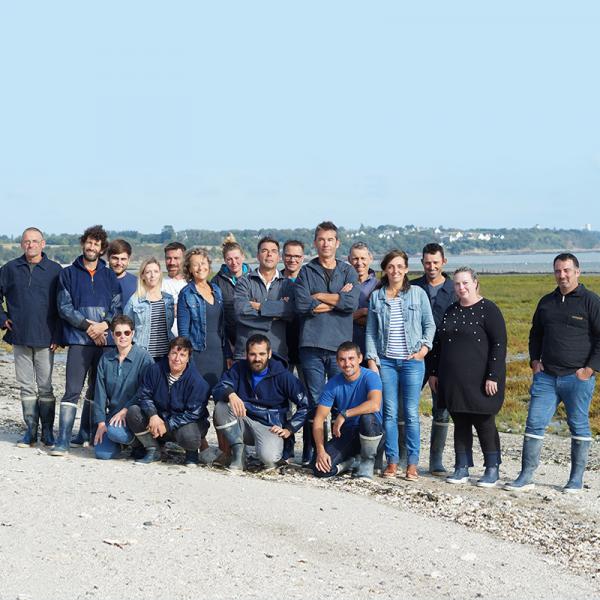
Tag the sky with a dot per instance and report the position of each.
(226, 115)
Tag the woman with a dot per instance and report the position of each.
(469, 373)
(119, 375)
(400, 330)
(151, 310)
(200, 317)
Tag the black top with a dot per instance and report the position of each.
(470, 348)
(565, 332)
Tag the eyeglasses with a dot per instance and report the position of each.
(125, 333)
(293, 256)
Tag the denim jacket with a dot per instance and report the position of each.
(139, 311)
(419, 325)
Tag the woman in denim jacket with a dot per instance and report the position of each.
(151, 310)
(400, 330)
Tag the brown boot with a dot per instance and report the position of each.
(390, 471)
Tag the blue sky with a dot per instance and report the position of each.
(277, 114)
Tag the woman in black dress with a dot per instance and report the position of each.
(469, 373)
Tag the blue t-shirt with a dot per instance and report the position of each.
(128, 285)
(341, 394)
(258, 377)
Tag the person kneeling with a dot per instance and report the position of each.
(171, 405)
(354, 398)
(252, 401)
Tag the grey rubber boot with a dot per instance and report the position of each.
(439, 433)
(65, 428)
(232, 432)
(402, 458)
(31, 417)
(368, 453)
(532, 448)
(492, 472)
(47, 411)
(151, 446)
(580, 450)
(84, 435)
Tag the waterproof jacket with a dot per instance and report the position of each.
(82, 297)
(326, 330)
(184, 403)
(139, 310)
(227, 282)
(117, 383)
(366, 287)
(30, 296)
(419, 325)
(268, 402)
(271, 320)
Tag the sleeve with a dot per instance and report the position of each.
(196, 397)
(427, 320)
(593, 360)
(3, 286)
(244, 313)
(100, 395)
(128, 309)
(279, 308)
(348, 301)
(371, 331)
(495, 329)
(66, 309)
(146, 393)
(304, 302)
(297, 395)
(536, 334)
(147, 362)
(184, 316)
(227, 384)
(57, 337)
(116, 308)
(373, 382)
(327, 396)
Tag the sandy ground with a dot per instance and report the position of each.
(77, 527)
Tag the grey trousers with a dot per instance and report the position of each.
(33, 371)
(269, 447)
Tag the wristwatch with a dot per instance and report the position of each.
(343, 414)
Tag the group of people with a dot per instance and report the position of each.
(324, 348)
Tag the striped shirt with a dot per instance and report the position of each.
(396, 342)
(171, 379)
(159, 336)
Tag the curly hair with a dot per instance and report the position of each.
(98, 233)
(187, 259)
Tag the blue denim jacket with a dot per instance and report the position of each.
(139, 311)
(419, 325)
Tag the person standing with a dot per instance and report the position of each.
(174, 282)
(89, 296)
(33, 327)
(118, 254)
(564, 348)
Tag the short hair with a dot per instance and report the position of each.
(472, 272)
(33, 229)
(257, 338)
(174, 246)
(267, 239)
(348, 347)
(229, 244)
(387, 259)
(141, 286)
(326, 226)
(433, 248)
(566, 256)
(180, 343)
(187, 274)
(118, 247)
(293, 243)
(360, 246)
(98, 233)
(122, 320)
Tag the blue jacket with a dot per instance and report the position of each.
(140, 312)
(366, 287)
(274, 311)
(184, 403)
(117, 383)
(419, 325)
(191, 317)
(30, 302)
(326, 330)
(82, 297)
(268, 402)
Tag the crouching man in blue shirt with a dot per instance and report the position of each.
(252, 403)
(354, 399)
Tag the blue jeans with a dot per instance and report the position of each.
(401, 380)
(110, 447)
(318, 366)
(548, 391)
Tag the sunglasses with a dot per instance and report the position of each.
(125, 333)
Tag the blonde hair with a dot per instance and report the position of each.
(187, 259)
(229, 244)
(141, 286)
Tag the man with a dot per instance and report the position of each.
(171, 405)
(564, 348)
(440, 291)
(327, 294)
(33, 327)
(88, 298)
(252, 402)
(354, 398)
(175, 281)
(119, 255)
(264, 301)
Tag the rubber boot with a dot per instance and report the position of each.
(532, 448)
(402, 458)
(379, 456)
(47, 410)
(191, 458)
(288, 448)
(65, 428)
(461, 469)
(580, 450)
(85, 426)
(345, 465)
(152, 449)
(308, 444)
(237, 457)
(491, 473)
(368, 453)
(31, 416)
(439, 433)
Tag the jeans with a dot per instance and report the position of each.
(33, 371)
(548, 391)
(114, 437)
(401, 380)
(318, 366)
